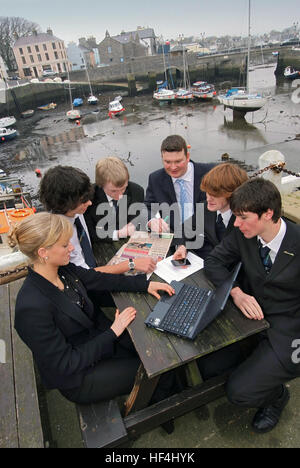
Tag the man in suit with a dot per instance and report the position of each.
(269, 249)
(114, 193)
(218, 184)
(176, 185)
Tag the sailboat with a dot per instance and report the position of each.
(72, 114)
(91, 99)
(163, 93)
(239, 99)
(8, 121)
(184, 93)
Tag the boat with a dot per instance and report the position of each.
(7, 134)
(77, 102)
(203, 90)
(49, 106)
(92, 100)
(7, 121)
(240, 99)
(115, 107)
(72, 114)
(15, 205)
(28, 113)
(290, 73)
(163, 93)
(184, 93)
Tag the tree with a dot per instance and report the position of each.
(11, 28)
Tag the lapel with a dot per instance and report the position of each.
(286, 254)
(168, 188)
(197, 182)
(56, 296)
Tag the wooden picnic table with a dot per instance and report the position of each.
(160, 352)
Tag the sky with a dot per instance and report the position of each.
(71, 19)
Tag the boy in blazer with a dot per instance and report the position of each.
(269, 249)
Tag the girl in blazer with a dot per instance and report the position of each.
(76, 348)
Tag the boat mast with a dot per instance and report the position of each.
(70, 93)
(249, 46)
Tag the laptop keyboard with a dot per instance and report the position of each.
(184, 312)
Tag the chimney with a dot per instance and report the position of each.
(50, 32)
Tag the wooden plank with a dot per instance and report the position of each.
(8, 417)
(101, 424)
(291, 206)
(28, 414)
(142, 391)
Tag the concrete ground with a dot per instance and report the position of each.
(216, 425)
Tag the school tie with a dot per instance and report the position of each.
(116, 208)
(183, 199)
(220, 227)
(85, 244)
(264, 253)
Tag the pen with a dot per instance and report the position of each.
(166, 219)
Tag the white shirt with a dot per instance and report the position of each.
(188, 177)
(275, 243)
(115, 235)
(225, 216)
(76, 255)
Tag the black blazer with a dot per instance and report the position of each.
(65, 340)
(278, 293)
(134, 194)
(161, 189)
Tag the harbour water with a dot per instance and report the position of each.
(48, 138)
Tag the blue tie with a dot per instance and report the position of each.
(85, 244)
(264, 253)
(183, 199)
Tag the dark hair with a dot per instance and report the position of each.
(174, 143)
(63, 188)
(257, 196)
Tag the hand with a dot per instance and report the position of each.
(158, 225)
(146, 265)
(155, 286)
(247, 304)
(180, 253)
(126, 231)
(122, 320)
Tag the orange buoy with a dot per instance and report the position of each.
(38, 173)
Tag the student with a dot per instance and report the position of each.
(68, 191)
(177, 183)
(116, 193)
(218, 184)
(269, 249)
(76, 348)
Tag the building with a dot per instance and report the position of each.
(80, 57)
(3, 73)
(146, 37)
(124, 47)
(38, 53)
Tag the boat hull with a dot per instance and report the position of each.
(243, 105)
(6, 122)
(73, 115)
(9, 135)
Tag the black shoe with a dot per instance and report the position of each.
(266, 418)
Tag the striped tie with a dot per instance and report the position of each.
(183, 199)
(264, 253)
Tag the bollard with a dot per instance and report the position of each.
(284, 184)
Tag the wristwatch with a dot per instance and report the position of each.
(131, 264)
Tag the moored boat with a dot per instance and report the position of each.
(115, 107)
(203, 90)
(183, 94)
(7, 134)
(49, 106)
(290, 73)
(240, 100)
(92, 100)
(6, 122)
(73, 114)
(28, 113)
(77, 102)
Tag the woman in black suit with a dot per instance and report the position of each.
(76, 348)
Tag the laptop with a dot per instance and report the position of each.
(190, 309)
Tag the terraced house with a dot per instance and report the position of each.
(40, 53)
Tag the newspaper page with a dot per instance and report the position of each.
(142, 244)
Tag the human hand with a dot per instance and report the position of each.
(126, 231)
(247, 304)
(158, 225)
(154, 287)
(180, 253)
(146, 265)
(122, 320)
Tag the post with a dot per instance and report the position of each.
(132, 91)
(284, 184)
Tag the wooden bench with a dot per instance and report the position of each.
(20, 422)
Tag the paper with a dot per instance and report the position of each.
(169, 272)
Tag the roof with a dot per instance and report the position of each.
(36, 38)
(142, 33)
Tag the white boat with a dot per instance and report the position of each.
(290, 73)
(72, 114)
(115, 107)
(203, 90)
(92, 100)
(7, 134)
(240, 99)
(164, 94)
(7, 121)
(184, 93)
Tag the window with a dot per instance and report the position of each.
(109, 50)
(31, 58)
(29, 49)
(23, 60)
(44, 46)
(21, 50)
(53, 45)
(47, 56)
(37, 48)
(27, 71)
(56, 55)
(39, 57)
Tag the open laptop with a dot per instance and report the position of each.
(190, 309)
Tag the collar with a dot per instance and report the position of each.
(274, 244)
(188, 176)
(225, 216)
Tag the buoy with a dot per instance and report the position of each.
(38, 173)
(77, 122)
(188, 146)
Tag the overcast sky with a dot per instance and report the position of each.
(71, 19)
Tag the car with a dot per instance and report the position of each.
(15, 77)
(48, 73)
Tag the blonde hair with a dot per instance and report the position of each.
(40, 230)
(111, 169)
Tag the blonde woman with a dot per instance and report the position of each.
(76, 348)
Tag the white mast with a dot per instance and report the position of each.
(249, 46)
